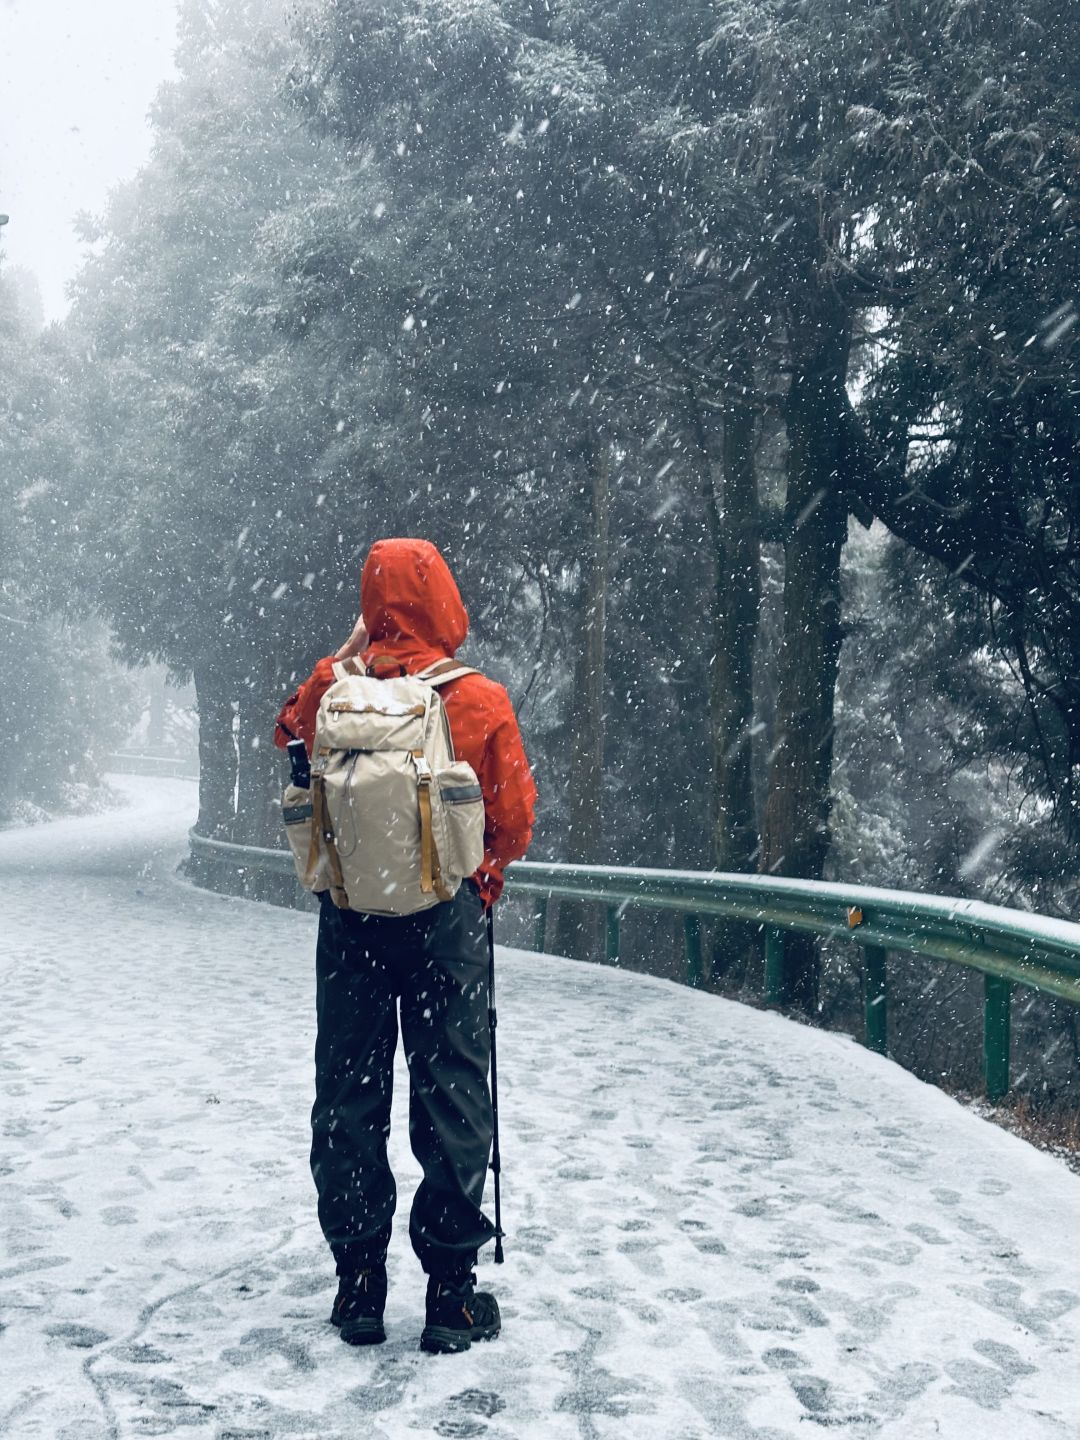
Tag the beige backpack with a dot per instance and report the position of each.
(392, 822)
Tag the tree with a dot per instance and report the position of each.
(62, 701)
(193, 514)
(970, 452)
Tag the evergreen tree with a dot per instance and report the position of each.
(61, 697)
(195, 514)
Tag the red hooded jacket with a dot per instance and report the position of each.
(415, 616)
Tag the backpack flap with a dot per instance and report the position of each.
(358, 713)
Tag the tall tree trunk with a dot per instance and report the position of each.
(258, 803)
(155, 729)
(731, 505)
(795, 832)
(576, 934)
(217, 751)
(738, 606)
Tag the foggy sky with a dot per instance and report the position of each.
(76, 81)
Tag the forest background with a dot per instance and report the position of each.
(727, 348)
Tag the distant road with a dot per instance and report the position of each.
(721, 1223)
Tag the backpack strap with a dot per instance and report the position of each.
(321, 828)
(431, 878)
(344, 668)
(444, 671)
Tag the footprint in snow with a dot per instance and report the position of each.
(1004, 1357)
(460, 1427)
(638, 1246)
(385, 1388)
(753, 1209)
(927, 1234)
(802, 1284)
(78, 1337)
(119, 1215)
(263, 1344)
(305, 1285)
(710, 1245)
(478, 1402)
(780, 1358)
(987, 1386)
(181, 1172)
(140, 1355)
(992, 1186)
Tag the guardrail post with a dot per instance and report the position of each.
(875, 960)
(695, 974)
(996, 1036)
(540, 923)
(775, 980)
(612, 949)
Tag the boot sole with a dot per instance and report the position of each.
(445, 1340)
(362, 1332)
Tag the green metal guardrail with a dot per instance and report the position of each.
(1009, 947)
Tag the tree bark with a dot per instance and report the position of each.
(795, 832)
(576, 934)
(738, 604)
(217, 752)
(155, 729)
(731, 506)
(258, 811)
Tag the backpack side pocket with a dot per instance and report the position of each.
(461, 802)
(297, 812)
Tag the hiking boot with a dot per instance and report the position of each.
(358, 1308)
(458, 1314)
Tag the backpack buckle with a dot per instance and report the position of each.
(423, 769)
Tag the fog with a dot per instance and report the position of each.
(77, 85)
(727, 350)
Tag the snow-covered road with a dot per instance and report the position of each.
(721, 1224)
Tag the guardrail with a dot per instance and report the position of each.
(170, 767)
(1009, 947)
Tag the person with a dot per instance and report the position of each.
(433, 965)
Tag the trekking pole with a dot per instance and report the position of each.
(496, 1159)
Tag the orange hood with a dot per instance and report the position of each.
(411, 603)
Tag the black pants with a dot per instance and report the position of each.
(435, 964)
